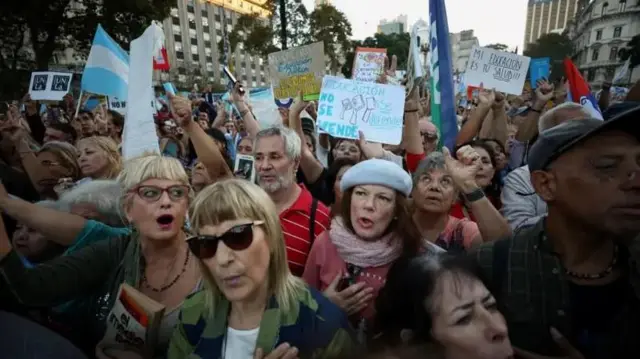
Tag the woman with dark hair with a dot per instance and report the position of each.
(334, 176)
(349, 262)
(441, 305)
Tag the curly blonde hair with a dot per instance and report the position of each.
(110, 149)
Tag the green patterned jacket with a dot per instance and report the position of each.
(317, 327)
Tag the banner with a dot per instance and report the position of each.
(499, 70)
(49, 86)
(368, 64)
(300, 69)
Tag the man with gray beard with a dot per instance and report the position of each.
(277, 153)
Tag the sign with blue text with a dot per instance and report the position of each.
(499, 70)
(348, 106)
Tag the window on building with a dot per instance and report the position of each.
(175, 21)
(190, 8)
(182, 78)
(613, 54)
(207, 51)
(177, 38)
(207, 44)
(253, 78)
(203, 12)
(174, 12)
(206, 36)
(594, 55)
(205, 21)
(192, 25)
(179, 55)
(254, 83)
(176, 29)
(178, 46)
(598, 35)
(209, 59)
(218, 33)
(253, 66)
(191, 17)
(617, 31)
(182, 70)
(217, 17)
(192, 33)
(194, 41)
(218, 26)
(205, 29)
(194, 49)
(622, 5)
(195, 57)
(605, 6)
(591, 75)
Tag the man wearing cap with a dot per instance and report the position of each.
(575, 271)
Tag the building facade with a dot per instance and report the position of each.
(600, 29)
(395, 26)
(192, 32)
(545, 16)
(461, 44)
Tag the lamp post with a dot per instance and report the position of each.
(283, 24)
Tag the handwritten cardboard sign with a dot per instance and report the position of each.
(298, 69)
(368, 64)
(49, 86)
(503, 71)
(348, 106)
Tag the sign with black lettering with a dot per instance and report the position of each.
(118, 105)
(50, 86)
(492, 69)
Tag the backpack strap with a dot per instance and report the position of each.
(499, 265)
(312, 221)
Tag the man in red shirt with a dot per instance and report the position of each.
(277, 156)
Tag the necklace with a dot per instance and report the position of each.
(604, 273)
(165, 287)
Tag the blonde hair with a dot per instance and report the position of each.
(234, 199)
(67, 154)
(110, 149)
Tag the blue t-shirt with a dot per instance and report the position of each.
(95, 231)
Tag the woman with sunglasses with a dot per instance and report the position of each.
(253, 307)
(155, 259)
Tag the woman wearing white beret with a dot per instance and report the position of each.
(373, 228)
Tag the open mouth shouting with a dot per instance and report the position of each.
(165, 222)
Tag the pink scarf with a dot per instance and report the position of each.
(363, 253)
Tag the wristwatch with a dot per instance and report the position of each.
(473, 196)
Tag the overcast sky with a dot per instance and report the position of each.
(492, 20)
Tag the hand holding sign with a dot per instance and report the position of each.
(181, 110)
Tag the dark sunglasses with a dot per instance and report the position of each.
(237, 238)
(153, 193)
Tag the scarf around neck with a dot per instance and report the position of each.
(363, 253)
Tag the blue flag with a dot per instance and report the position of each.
(443, 109)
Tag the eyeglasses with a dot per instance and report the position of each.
(153, 193)
(237, 238)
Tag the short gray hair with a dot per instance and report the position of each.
(105, 195)
(433, 161)
(553, 117)
(292, 142)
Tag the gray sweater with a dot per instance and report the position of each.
(521, 206)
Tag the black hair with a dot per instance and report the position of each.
(494, 188)
(332, 175)
(117, 120)
(411, 284)
(66, 128)
(82, 112)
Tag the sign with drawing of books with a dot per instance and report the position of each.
(368, 64)
(300, 69)
(133, 321)
(348, 106)
(499, 70)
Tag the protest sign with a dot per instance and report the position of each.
(348, 106)
(415, 70)
(297, 70)
(499, 70)
(139, 136)
(120, 106)
(49, 86)
(539, 69)
(368, 64)
(265, 109)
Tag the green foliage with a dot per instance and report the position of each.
(498, 46)
(255, 33)
(331, 26)
(298, 31)
(554, 46)
(631, 50)
(396, 44)
(32, 31)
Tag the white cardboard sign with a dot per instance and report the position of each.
(348, 106)
(368, 64)
(49, 86)
(120, 106)
(503, 71)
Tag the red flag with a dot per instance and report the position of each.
(161, 60)
(579, 91)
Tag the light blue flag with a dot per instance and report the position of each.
(443, 108)
(107, 68)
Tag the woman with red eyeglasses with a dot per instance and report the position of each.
(155, 259)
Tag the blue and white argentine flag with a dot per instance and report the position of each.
(107, 69)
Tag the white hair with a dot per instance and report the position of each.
(103, 194)
(292, 142)
(554, 116)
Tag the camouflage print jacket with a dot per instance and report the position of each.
(317, 327)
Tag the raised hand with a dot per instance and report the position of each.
(486, 97)
(181, 110)
(463, 170)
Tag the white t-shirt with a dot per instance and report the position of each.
(240, 344)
